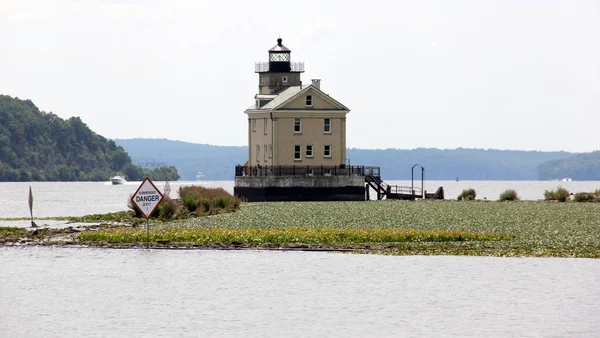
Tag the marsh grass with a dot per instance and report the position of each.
(509, 195)
(12, 231)
(560, 194)
(539, 228)
(276, 236)
(467, 195)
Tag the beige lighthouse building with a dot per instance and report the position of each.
(296, 139)
(292, 123)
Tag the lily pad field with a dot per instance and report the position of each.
(482, 228)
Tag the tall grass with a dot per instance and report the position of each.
(560, 194)
(509, 195)
(207, 201)
(467, 195)
(275, 236)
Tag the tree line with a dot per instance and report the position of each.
(40, 146)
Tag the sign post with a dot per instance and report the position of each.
(167, 190)
(33, 225)
(147, 198)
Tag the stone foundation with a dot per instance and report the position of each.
(300, 188)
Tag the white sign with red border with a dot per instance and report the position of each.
(147, 198)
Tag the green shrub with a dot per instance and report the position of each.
(585, 197)
(509, 195)
(166, 209)
(130, 205)
(467, 195)
(206, 200)
(560, 194)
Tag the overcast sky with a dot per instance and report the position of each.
(506, 74)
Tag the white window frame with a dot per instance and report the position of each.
(299, 120)
(253, 125)
(270, 151)
(266, 153)
(297, 151)
(266, 126)
(257, 153)
(325, 150)
(309, 101)
(327, 126)
(312, 152)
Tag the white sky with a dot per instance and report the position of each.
(505, 74)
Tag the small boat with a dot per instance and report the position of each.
(567, 179)
(200, 176)
(118, 179)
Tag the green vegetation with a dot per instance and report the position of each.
(560, 194)
(539, 228)
(581, 167)
(40, 146)
(585, 197)
(509, 195)
(278, 236)
(467, 195)
(207, 201)
(12, 231)
(216, 162)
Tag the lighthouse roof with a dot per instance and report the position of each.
(279, 47)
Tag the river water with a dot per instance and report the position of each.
(91, 292)
(83, 198)
(76, 292)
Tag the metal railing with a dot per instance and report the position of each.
(263, 67)
(307, 170)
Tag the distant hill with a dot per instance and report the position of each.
(40, 146)
(580, 167)
(218, 162)
(215, 162)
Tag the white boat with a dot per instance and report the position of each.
(200, 176)
(118, 179)
(567, 179)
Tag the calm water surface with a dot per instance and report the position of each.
(83, 198)
(70, 292)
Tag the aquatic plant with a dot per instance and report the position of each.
(467, 195)
(560, 194)
(585, 197)
(509, 195)
(276, 236)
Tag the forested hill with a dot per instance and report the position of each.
(580, 167)
(40, 146)
(218, 162)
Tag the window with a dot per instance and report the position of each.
(284, 79)
(270, 151)
(309, 150)
(297, 128)
(257, 153)
(265, 127)
(309, 100)
(253, 124)
(297, 154)
(257, 103)
(327, 150)
(266, 153)
(327, 125)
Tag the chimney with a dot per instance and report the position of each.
(316, 83)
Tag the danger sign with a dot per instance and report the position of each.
(147, 198)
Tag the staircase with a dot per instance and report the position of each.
(386, 191)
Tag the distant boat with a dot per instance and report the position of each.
(118, 179)
(200, 176)
(567, 179)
